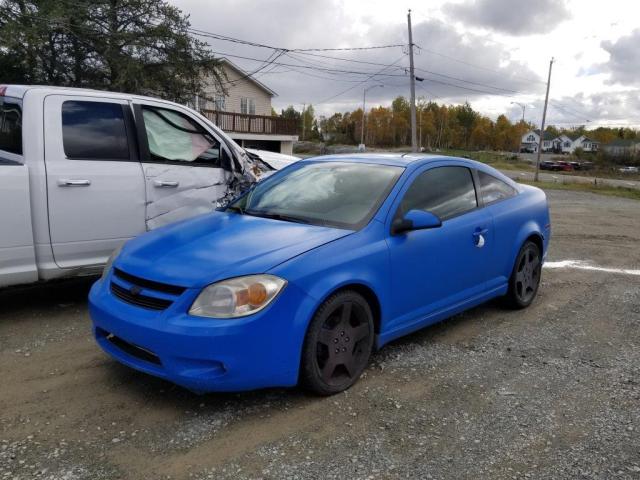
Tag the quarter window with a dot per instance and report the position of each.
(173, 137)
(94, 131)
(443, 191)
(10, 125)
(493, 189)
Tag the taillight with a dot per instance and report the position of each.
(3, 90)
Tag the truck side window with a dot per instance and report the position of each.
(94, 131)
(175, 138)
(10, 125)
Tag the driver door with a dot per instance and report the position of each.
(439, 269)
(187, 169)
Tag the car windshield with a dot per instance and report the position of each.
(337, 194)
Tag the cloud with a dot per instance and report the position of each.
(316, 23)
(513, 17)
(624, 59)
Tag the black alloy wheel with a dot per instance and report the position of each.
(525, 278)
(338, 343)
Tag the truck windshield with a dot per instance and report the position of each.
(337, 194)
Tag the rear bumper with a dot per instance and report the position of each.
(201, 354)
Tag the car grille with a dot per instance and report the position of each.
(140, 291)
(133, 350)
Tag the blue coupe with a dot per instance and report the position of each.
(303, 276)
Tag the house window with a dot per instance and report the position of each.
(531, 138)
(567, 144)
(219, 102)
(247, 106)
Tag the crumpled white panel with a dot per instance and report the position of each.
(199, 191)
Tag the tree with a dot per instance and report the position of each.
(137, 46)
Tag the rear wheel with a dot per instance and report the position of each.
(525, 277)
(338, 344)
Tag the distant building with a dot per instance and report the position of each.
(243, 111)
(561, 144)
(622, 148)
(531, 140)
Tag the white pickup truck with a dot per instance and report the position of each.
(82, 171)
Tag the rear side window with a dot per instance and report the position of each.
(11, 125)
(493, 189)
(94, 131)
(444, 191)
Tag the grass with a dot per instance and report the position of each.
(632, 193)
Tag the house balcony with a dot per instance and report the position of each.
(251, 124)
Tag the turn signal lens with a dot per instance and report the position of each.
(237, 297)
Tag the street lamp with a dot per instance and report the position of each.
(364, 99)
(523, 106)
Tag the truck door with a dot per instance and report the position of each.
(95, 185)
(187, 168)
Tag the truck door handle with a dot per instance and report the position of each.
(165, 184)
(66, 182)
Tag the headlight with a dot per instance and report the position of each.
(109, 263)
(237, 297)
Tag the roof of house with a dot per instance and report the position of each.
(247, 76)
(546, 136)
(622, 142)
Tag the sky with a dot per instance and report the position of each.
(487, 52)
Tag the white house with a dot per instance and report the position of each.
(243, 111)
(531, 140)
(561, 144)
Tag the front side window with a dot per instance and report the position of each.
(443, 191)
(493, 189)
(174, 137)
(339, 194)
(11, 125)
(94, 131)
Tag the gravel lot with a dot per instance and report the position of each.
(550, 392)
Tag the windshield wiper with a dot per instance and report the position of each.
(276, 216)
(234, 208)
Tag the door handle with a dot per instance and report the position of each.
(165, 184)
(479, 235)
(66, 182)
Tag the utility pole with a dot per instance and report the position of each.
(414, 141)
(364, 98)
(544, 118)
(304, 120)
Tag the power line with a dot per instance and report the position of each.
(363, 81)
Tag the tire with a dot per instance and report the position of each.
(338, 344)
(525, 277)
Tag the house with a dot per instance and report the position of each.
(531, 140)
(622, 148)
(586, 144)
(243, 111)
(565, 143)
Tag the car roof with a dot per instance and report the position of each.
(393, 159)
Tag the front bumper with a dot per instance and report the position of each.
(202, 354)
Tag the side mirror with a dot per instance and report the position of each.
(415, 220)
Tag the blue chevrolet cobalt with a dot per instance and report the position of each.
(298, 280)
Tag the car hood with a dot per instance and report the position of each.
(219, 245)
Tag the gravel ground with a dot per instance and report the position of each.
(550, 392)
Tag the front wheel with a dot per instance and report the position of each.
(525, 277)
(338, 344)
